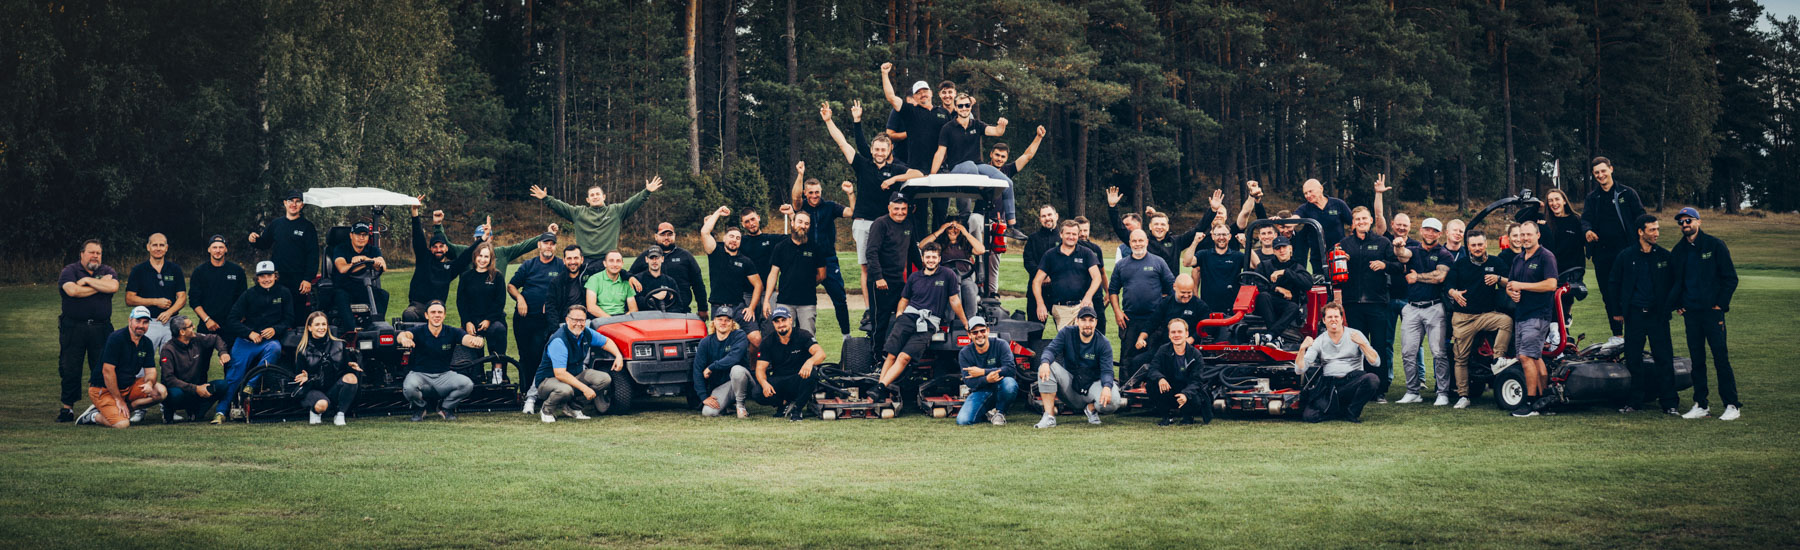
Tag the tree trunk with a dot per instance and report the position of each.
(1078, 192)
(1462, 182)
(1512, 186)
(693, 88)
(793, 84)
(729, 111)
(562, 112)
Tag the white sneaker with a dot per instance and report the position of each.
(137, 416)
(87, 417)
(312, 418)
(578, 415)
(1410, 397)
(1462, 403)
(547, 417)
(1731, 413)
(338, 419)
(1615, 341)
(743, 412)
(1442, 400)
(1697, 412)
(1048, 421)
(1504, 362)
(177, 417)
(995, 418)
(530, 405)
(1093, 417)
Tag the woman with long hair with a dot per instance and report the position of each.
(1564, 232)
(329, 373)
(481, 299)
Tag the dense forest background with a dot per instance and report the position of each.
(191, 116)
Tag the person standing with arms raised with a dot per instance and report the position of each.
(596, 226)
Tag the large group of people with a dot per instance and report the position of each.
(1437, 289)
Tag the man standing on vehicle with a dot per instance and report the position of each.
(1078, 366)
(1068, 276)
(809, 196)
(1371, 263)
(891, 249)
(1642, 284)
(432, 346)
(736, 278)
(116, 389)
(1610, 209)
(1331, 213)
(928, 295)
(679, 265)
(1532, 285)
(797, 268)
(596, 226)
(989, 370)
(1704, 280)
(159, 285)
(215, 286)
(257, 321)
(786, 366)
(530, 290)
(1138, 286)
(565, 372)
(184, 364)
(295, 244)
(959, 151)
(719, 372)
(1474, 292)
(87, 287)
(350, 261)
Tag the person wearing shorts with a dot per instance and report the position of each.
(1532, 286)
(115, 386)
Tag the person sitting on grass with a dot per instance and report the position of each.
(329, 372)
(785, 366)
(1173, 379)
(185, 365)
(564, 369)
(1343, 386)
(1078, 366)
(119, 395)
(432, 346)
(989, 372)
(719, 372)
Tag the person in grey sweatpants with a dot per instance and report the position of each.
(1423, 320)
(719, 364)
(1078, 367)
(432, 346)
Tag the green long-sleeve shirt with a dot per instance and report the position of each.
(503, 255)
(597, 229)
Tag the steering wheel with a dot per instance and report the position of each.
(966, 268)
(1254, 278)
(659, 299)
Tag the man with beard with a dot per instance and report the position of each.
(928, 295)
(434, 270)
(214, 286)
(1078, 366)
(737, 280)
(891, 249)
(1474, 292)
(786, 366)
(878, 176)
(808, 196)
(758, 246)
(797, 269)
(1422, 320)
(678, 264)
(1045, 238)
(1704, 280)
(532, 313)
(1067, 279)
(118, 393)
(432, 347)
(596, 226)
(1139, 283)
(349, 261)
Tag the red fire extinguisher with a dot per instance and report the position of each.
(997, 237)
(1340, 265)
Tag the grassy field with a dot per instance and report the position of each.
(1408, 475)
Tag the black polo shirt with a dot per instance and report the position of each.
(128, 359)
(431, 354)
(1470, 277)
(97, 307)
(215, 289)
(1068, 274)
(730, 274)
(148, 282)
(785, 358)
(960, 144)
(799, 278)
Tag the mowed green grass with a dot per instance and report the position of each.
(1408, 475)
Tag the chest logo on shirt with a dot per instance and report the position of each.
(806, 254)
(275, 301)
(231, 277)
(1372, 248)
(1089, 356)
(169, 278)
(1532, 265)
(1332, 212)
(1080, 261)
(1706, 255)
(1662, 265)
(1148, 268)
(937, 283)
(1621, 199)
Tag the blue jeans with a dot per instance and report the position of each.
(243, 355)
(834, 287)
(1006, 196)
(980, 400)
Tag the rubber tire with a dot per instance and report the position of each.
(1509, 385)
(623, 390)
(858, 355)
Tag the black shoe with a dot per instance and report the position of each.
(1672, 411)
(448, 414)
(66, 415)
(418, 415)
(1353, 419)
(1166, 421)
(1187, 420)
(796, 411)
(782, 410)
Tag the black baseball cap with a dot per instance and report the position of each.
(361, 228)
(293, 194)
(439, 239)
(724, 311)
(216, 239)
(1086, 311)
(896, 197)
(547, 236)
(1281, 242)
(654, 250)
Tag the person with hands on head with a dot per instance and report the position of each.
(86, 287)
(1078, 366)
(786, 364)
(293, 243)
(329, 371)
(185, 365)
(565, 372)
(126, 381)
(1067, 279)
(1342, 387)
(1531, 284)
(432, 345)
(720, 373)
(808, 196)
(1474, 292)
(1704, 280)
(679, 265)
(928, 295)
(1139, 284)
(596, 225)
(736, 278)
(349, 261)
(955, 244)
(533, 316)
(434, 269)
(1172, 379)
(988, 369)
(258, 320)
(157, 284)
(481, 297)
(215, 286)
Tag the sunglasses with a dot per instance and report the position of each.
(964, 105)
(1685, 221)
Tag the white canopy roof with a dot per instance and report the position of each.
(956, 180)
(330, 197)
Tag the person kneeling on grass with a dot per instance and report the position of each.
(329, 372)
(929, 294)
(988, 371)
(785, 366)
(1172, 379)
(185, 364)
(719, 372)
(1078, 365)
(431, 347)
(115, 387)
(1343, 387)
(564, 368)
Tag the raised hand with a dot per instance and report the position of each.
(1113, 196)
(1217, 202)
(856, 110)
(886, 68)
(654, 185)
(437, 217)
(849, 188)
(415, 208)
(825, 111)
(723, 211)
(1381, 185)
(538, 192)
(800, 167)
(1254, 188)
(1041, 131)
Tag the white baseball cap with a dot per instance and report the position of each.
(264, 267)
(140, 312)
(1433, 224)
(920, 85)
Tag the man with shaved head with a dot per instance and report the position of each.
(1137, 287)
(1182, 303)
(1332, 214)
(159, 285)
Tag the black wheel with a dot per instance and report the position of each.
(623, 390)
(1509, 389)
(858, 355)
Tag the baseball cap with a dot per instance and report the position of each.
(896, 197)
(1688, 212)
(920, 85)
(481, 232)
(439, 239)
(977, 321)
(140, 312)
(216, 239)
(293, 194)
(1281, 242)
(1432, 224)
(653, 251)
(547, 236)
(724, 311)
(781, 312)
(360, 228)
(265, 267)
(665, 227)
(1086, 311)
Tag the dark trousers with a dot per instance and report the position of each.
(1603, 265)
(80, 342)
(1706, 328)
(1342, 397)
(532, 333)
(1277, 312)
(834, 287)
(1658, 379)
(495, 336)
(788, 389)
(338, 398)
(304, 304)
(886, 301)
(190, 401)
(414, 312)
(343, 297)
(1031, 303)
(1135, 323)
(1166, 406)
(1376, 321)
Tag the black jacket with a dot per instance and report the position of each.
(259, 308)
(1634, 265)
(1182, 371)
(432, 276)
(1609, 215)
(1038, 243)
(296, 247)
(680, 264)
(1364, 286)
(891, 248)
(567, 291)
(324, 362)
(1718, 281)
